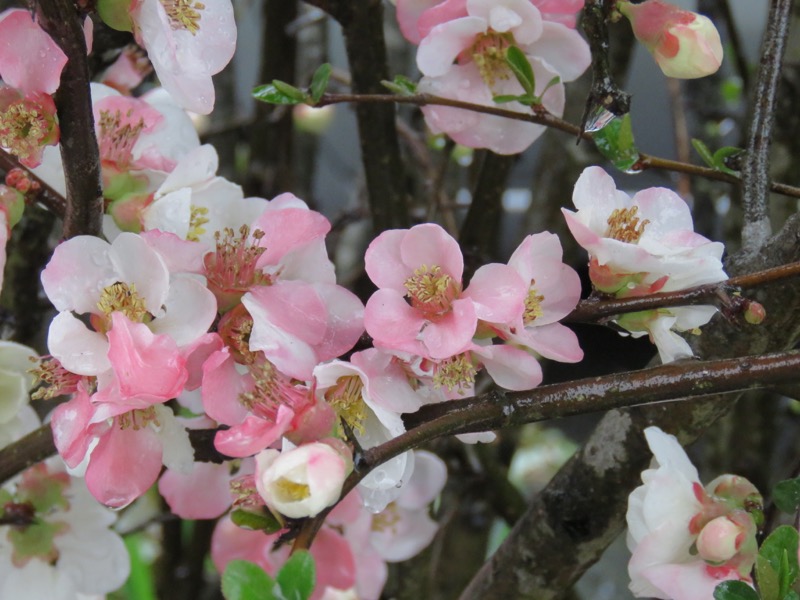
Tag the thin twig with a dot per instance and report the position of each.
(755, 170)
(542, 117)
(46, 195)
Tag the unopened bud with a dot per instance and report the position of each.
(719, 540)
(685, 45)
(755, 313)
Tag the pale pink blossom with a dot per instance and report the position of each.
(29, 59)
(187, 42)
(421, 307)
(84, 556)
(301, 481)
(685, 44)
(28, 124)
(16, 382)
(643, 245)
(462, 56)
(667, 518)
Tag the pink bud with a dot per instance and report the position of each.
(685, 45)
(755, 313)
(719, 540)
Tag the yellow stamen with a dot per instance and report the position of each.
(431, 290)
(290, 491)
(456, 372)
(197, 219)
(184, 14)
(139, 418)
(489, 54)
(123, 298)
(22, 129)
(625, 226)
(386, 520)
(533, 305)
(346, 398)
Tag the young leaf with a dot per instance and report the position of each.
(297, 577)
(615, 142)
(244, 580)
(723, 153)
(279, 92)
(319, 82)
(734, 590)
(256, 521)
(503, 99)
(786, 495)
(779, 553)
(401, 85)
(703, 151)
(519, 65)
(554, 81)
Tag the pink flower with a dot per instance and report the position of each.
(643, 245)
(462, 56)
(187, 42)
(685, 45)
(671, 513)
(424, 265)
(301, 481)
(554, 292)
(28, 123)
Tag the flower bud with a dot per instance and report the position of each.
(685, 45)
(302, 481)
(719, 540)
(755, 313)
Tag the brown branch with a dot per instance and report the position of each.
(542, 117)
(79, 150)
(597, 310)
(46, 195)
(755, 169)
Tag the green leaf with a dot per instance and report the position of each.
(778, 553)
(298, 576)
(734, 590)
(786, 495)
(279, 92)
(720, 156)
(244, 580)
(401, 85)
(615, 142)
(116, 14)
(703, 151)
(319, 82)
(521, 67)
(140, 584)
(256, 521)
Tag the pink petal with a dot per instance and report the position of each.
(79, 349)
(553, 341)
(76, 274)
(387, 382)
(333, 557)
(498, 14)
(137, 263)
(510, 367)
(498, 293)
(70, 425)
(202, 494)
(345, 321)
(429, 244)
(451, 334)
(180, 256)
(383, 261)
(197, 354)
(442, 12)
(190, 310)
(426, 483)
(123, 465)
(439, 49)
(408, 15)
(222, 386)
(563, 49)
(665, 210)
(253, 435)
(392, 323)
(29, 59)
(144, 363)
(288, 230)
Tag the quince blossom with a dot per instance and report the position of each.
(421, 307)
(643, 245)
(684, 44)
(67, 551)
(672, 513)
(462, 53)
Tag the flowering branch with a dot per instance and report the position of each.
(755, 170)
(79, 150)
(542, 117)
(598, 310)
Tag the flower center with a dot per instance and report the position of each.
(138, 419)
(625, 226)
(54, 379)
(455, 373)
(121, 297)
(533, 305)
(387, 519)
(290, 491)
(489, 54)
(184, 14)
(231, 270)
(118, 135)
(431, 291)
(347, 400)
(24, 128)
